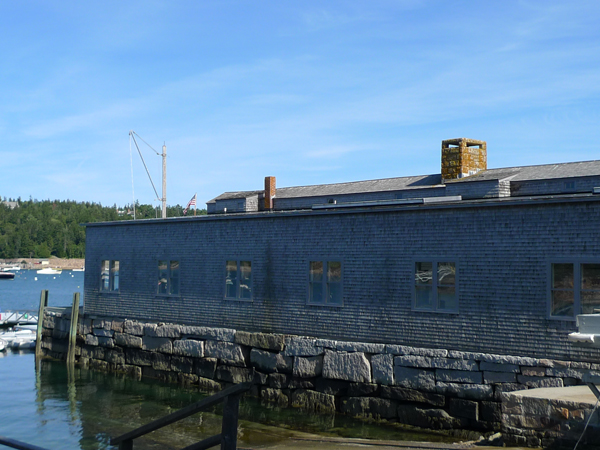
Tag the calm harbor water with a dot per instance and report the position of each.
(23, 292)
(46, 404)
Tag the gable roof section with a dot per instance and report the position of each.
(234, 195)
(356, 187)
(541, 172)
(523, 173)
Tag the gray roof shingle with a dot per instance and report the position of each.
(524, 173)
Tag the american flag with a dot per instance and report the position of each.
(192, 202)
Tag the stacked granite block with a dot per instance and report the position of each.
(542, 420)
(429, 388)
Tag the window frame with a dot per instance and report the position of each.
(577, 286)
(326, 284)
(238, 278)
(111, 276)
(170, 283)
(435, 286)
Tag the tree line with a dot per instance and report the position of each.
(41, 229)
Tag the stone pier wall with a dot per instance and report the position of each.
(540, 419)
(430, 388)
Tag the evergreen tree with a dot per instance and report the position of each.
(47, 228)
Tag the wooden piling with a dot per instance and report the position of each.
(73, 329)
(40, 324)
(229, 425)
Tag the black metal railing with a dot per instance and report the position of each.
(228, 436)
(13, 443)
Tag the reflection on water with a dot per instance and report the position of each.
(80, 409)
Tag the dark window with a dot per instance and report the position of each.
(109, 276)
(168, 277)
(435, 286)
(574, 289)
(325, 282)
(563, 290)
(238, 279)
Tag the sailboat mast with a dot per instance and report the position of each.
(164, 182)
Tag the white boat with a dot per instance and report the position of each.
(23, 343)
(79, 270)
(19, 338)
(2, 345)
(49, 271)
(11, 269)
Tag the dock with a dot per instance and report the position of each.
(546, 417)
(12, 318)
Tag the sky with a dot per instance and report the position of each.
(311, 92)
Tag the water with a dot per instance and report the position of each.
(23, 292)
(52, 407)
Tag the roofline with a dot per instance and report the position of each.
(463, 204)
(428, 175)
(549, 164)
(360, 181)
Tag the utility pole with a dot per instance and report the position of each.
(164, 182)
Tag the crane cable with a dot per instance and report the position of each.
(133, 134)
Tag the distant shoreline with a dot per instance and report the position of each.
(35, 263)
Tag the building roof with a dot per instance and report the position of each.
(541, 172)
(356, 187)
(234, 195)
(522, 173)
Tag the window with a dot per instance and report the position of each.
(574, 289)
(109, 276)
(325, 282)
(435, 286)
(168, 277)
(238, 280)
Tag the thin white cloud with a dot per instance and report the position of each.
(332, 152)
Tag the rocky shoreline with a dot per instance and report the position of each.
(36, 263)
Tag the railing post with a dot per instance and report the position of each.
(40, 324)
(73, 330)
(126, 445)
(230, 422)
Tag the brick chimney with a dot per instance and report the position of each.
(462, 157)
(269, 192)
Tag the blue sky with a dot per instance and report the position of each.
(310, 92)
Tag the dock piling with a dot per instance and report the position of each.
(73, 329)
(40, 323)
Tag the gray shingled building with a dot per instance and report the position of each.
(473, 259)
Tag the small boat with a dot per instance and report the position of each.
(23, 343)
(19, 338)
(6, 275)
(2, 345)
(12, 268)
(49, 271)
(79, 270)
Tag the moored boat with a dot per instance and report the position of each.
(49, 271)
(23, 343)
(19, 338)
(6, 275)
